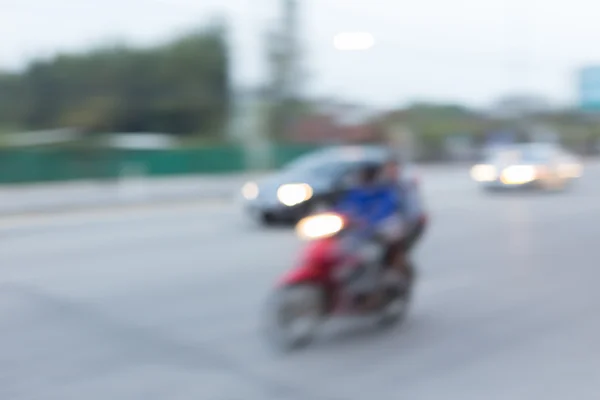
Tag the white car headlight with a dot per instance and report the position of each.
(484, 173)
(294, 194)
(572, 170)
(250, 191)
(319, 226)
(519, 174)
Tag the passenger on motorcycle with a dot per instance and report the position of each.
(412, 203)
(411, 215)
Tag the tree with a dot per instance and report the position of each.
(179, 88)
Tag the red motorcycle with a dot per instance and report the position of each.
(336, 275)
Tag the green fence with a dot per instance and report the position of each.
(59, 164)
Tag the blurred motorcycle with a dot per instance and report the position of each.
(338, 274)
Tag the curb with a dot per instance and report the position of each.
(64, 209)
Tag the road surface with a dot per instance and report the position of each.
(163, 303)
(78, 195)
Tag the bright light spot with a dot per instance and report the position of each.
(319, 226)
(250, 191)
(294, 194)
(353, 41)
(483, 173)
(518, 175)
(570, 170)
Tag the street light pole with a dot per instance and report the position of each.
(259, 118)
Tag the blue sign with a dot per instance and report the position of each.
(588, 89)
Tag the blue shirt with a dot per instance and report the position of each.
(371, 204)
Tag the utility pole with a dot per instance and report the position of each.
(285, 71)
(290, 20)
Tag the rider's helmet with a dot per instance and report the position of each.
(369, 174)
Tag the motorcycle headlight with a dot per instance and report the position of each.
(293, 194)
(250, 191)
(484, 173)
(519, 174)
(319, 226)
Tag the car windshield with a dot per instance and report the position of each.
(327, 160)
(310, 161)
(322, 167)
(524, 154)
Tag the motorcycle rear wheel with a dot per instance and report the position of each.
(396, 304)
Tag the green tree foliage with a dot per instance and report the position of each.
(434, 123)
(178, 88)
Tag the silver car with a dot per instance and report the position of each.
(528, 165)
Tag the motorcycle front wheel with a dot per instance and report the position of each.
(294, 314)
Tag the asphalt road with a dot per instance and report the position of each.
(80, 195)
(164, 302)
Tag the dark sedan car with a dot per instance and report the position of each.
(314, 180)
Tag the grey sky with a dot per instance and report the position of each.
(461, 50)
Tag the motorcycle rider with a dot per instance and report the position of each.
(378, 209)
(371, 202)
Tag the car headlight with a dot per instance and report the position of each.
(484, 173)
(250, 191)
(319, 226)
(573, 170)
(293, 194)
(519, 174)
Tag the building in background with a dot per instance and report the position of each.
(519, 106)
(335, 122)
